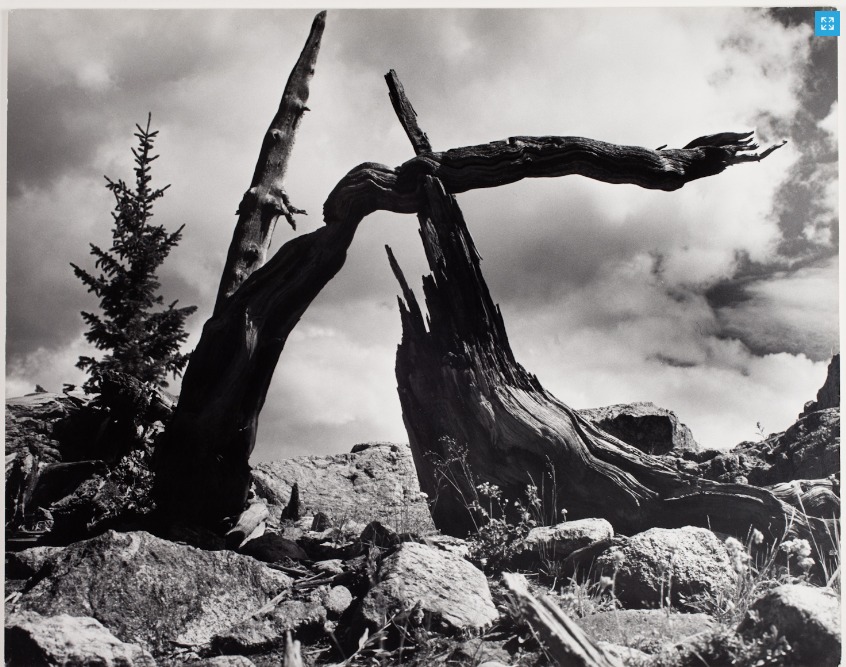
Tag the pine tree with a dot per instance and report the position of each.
(142, 338)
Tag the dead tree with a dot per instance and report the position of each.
(458, 379)
(461, 388)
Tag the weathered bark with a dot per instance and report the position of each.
(265, 200)
(203, 473)
(462, 390)
(564, 642)
(371, 187)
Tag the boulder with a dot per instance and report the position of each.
(809, 449)
(808, 617)
(149, 591)
(556, 542)
(376, 481)
(446, 589)
(829, 394)
(644, 425)
(691, 564)
(33, 640)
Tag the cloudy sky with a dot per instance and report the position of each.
(718, 301)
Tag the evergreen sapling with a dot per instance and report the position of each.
(141, 337)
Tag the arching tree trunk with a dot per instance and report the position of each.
(459, 379)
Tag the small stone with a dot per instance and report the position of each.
(336, 600)
(331, 566)
(320, 522)
(377, 535)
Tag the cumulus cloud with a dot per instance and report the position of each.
(607, 290)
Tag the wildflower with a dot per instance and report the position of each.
(806, 564)
(605, 582)
(757, 536)
(617, 558)
(563, 514)
(798, 547)
(737, 555)
(804, 549)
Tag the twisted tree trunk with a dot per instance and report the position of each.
(459, 379)
(464, 396)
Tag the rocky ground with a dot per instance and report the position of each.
(337, 561)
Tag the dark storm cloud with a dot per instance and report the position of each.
(130, 61)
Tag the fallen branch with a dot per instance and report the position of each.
(565, 642)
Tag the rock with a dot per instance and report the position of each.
(448, 589)
(76, 466)
(336, 600)
(689, 563)
(454, 545)
(646, 630)
(33, 640)
(481, 651)
(809, 449)
(644, 425)
(149, 591)
(377, 481)
(808, 617)
(302, 616)
(624, 654)
(330, 566)
(271, 548)
(293, 510)
(320, 522)
(556, 542)
(225, 661)
(829, 394)
(377, 535)
(26, 563)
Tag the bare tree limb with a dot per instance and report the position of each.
(371, 187)
(266, 199)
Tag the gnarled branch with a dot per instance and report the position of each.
(371, 187)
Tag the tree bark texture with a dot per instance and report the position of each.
(202, 462)
(564, 642)
(266, 199)
(464, 396)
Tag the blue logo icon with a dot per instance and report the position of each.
(827, 24)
